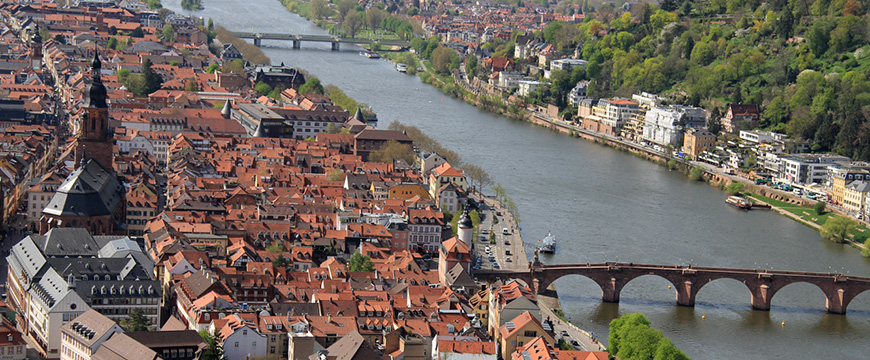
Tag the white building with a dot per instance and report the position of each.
(665, 125)
(81, 337)
(807, 168)
(526, 87)
(578, 93)
(241, 339)
(509, 79)
(566, 64)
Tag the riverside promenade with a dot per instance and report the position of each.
(513, 243)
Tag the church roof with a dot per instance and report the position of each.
(90, 190)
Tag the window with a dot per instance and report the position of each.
(237, 344)
(530, 333)
(254, 344)
(245, 332)
(272, 350)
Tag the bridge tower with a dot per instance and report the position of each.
(257, 40)
(335, 46)
(466, 231)
(297, 43)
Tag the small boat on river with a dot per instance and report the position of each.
(548, 244)
(738, 202)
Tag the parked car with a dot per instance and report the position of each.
(575, 343)
(565, 333)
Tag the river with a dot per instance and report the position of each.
(606, 205)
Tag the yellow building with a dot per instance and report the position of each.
(405, 191)
(480, 307)
(520, 331)
(843, 174)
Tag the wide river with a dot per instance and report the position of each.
(606, 205)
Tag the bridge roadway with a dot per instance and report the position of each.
(297, 39)
(839, 289)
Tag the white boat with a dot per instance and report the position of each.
(401, 67)
(369, 54)
(548, 245)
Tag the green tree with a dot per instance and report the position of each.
(471, 65)
(336, 175)
(112, 43)
(168, 33)
(837, 228)
(819, 207)
(734, 187)
(212, 68)
(344, 8)
(312, 86)
(275, 247)
(137, 32)
(135, 322)
(374, 17)
(697, 173)
(262, 88)
(360, 263)
(393, 150)
(317, 9)
(352, 23)
(213, 349)
(152, 80)
(441, 59)
(191, 85)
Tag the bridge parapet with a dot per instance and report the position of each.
(687, 281)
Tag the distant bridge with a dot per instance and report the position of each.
(839, 289)
(297, 39)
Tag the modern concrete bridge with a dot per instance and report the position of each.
(839, 289)
(297, 39)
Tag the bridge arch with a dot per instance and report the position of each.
(774, 290)
(721, 280)
(672, 281)
(852, 295)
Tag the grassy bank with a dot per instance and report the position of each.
(250, 52)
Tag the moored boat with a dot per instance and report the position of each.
(738, 202)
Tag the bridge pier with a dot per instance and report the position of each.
(761, 298)
(297, 44)
(686, 294)
(610, 291)
(835, 303)
(335, 46)
(257, 42)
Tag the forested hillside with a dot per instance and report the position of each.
(806, 63)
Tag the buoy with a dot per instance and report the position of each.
(703, 316)
(669, 286)
(783, 323)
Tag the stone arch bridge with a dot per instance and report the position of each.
(839, 289)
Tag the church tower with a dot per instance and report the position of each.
(93, 138)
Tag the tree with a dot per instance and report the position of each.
(137, 32)
(837, 228)
(471, 65)
(360, 263)
(275, 247)
(477, 176)
(819, 207)
(112, 43)
(168, 33)
(393, 150)
(735, 187)
(697, 173)
(374, 17)
(262, 88)
(336, 174)
(213, 350)
(212, 68)
(317, 8)
(344, 8)
(441, 59)
(191, 85)
(312, 86)
(135, 322)
(352, 23)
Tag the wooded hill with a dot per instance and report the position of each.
(805, 63)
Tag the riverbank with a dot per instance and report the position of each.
(548, 300)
